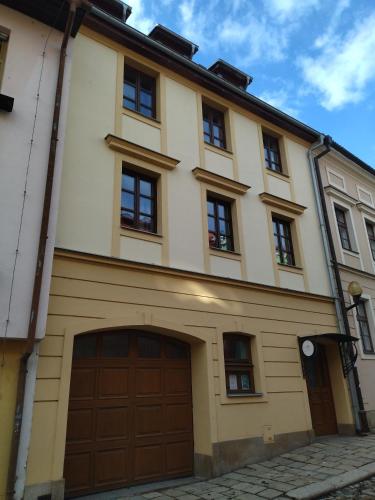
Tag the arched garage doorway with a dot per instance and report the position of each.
(130, 411)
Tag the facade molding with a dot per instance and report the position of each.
(366, 209)
(340, 195)
(281, 203)
(220, 181)
(141, 153)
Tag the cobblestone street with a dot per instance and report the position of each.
(309, 472)
(364, 490)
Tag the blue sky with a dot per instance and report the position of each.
(313, 59)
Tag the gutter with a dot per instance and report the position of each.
(359, 413)
(43, 236)
(143, 41)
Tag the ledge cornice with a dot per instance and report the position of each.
(281, 203)
(136, 151)
(340, 195)
(366, 209)
(220, 181)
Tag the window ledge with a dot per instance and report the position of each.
(218, 149)
(246, 395)
(132, 232)
(227, 254)
(353, 253)
(138, 116)
(290, 269)
(278, 175)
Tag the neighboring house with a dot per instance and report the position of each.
(31, 37)
(189, 262)
(349, 186)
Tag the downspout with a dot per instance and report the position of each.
(359, 413)
(43, 236)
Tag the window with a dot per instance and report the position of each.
(283, 242)
(139, 92)
(343, 228)
(138, 201)
(364, 328)
(238, 366)
(220, 233)
(272, 152)
(3, 45)
(213, 126)
(371, 237)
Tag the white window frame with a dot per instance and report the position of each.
(355, 252)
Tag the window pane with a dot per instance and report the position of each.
(146, 223)
(145, 205)
(210, 208)
(115, 345)
(211, 224)
(146, 98)
(147, 83)
(206, 127)
(245, 382)
(127, 217)
(129, 91)
(148, 347)
(221, 210)
(129, 104)
(146, 111)
(176, 350)
(232, 378)
(145, 187)
(212, 239)
(84, 347)
(127, 200)
(130, 75)
(128, 182)
(241, 349)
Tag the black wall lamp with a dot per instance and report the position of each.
(355, 290)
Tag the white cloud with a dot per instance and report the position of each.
(324, 38)
(344, 66)
(138, 19)
(280, 99)
(284, 10)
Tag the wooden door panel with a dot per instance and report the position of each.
(112, 423)
(113, 382)
(130, 412)
(111, 467)
(80, 425)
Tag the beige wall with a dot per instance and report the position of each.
(90, 293)
(350, 187)
(89, 205)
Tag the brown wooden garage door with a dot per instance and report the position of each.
(130, 411)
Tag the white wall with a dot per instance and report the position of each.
(20, 80)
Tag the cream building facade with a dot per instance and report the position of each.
(349, 186)
(184, 276)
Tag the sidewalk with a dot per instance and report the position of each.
(309, 472)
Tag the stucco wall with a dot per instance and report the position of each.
(89, 294)
(23, 168)
(89, 207)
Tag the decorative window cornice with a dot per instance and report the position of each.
(136, 151)
(340, 195)
(281, 203)
(220, 181)
(366, 209)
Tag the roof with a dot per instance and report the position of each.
(350, 156)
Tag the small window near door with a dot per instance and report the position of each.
(364, 328)
(342, 224)
(138, 201)
(213, 126)
(371, 237)
(139, 92)
(238, 365)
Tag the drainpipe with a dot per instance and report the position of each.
(359, 413)
(30, 341)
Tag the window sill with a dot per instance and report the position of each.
(245, 395)
(217, 149)
(139, 234)
(226, 254)
(138, 116)
(353, 253)
(278, 175)
(289, 268)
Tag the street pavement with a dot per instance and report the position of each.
(313, 471)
